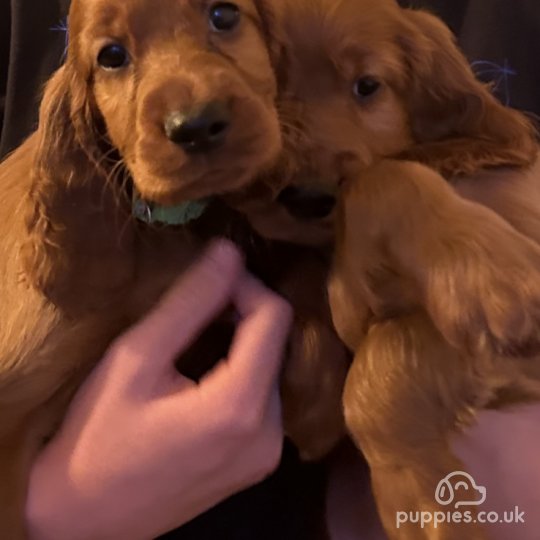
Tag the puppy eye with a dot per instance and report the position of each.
(366, 87)
(224, 17)
(113, 56)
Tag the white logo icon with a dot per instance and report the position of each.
(446, 492)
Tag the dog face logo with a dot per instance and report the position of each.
(460, 485)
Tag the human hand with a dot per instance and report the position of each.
(501, 453)
(143, 450)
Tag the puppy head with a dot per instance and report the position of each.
(365, 79)
(185, 90)
(177, 96)
(341, 108)
(343, 97)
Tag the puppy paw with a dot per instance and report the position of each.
(487, 297)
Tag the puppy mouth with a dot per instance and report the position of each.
(168, 178)
(179, 188)
(307, 204)
(166, 174)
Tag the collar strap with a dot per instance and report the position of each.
(168, 215)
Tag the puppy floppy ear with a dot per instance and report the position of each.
(271, 15)
(79, 247)
(457, 122)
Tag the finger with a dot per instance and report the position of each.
(257, 351)
(274, 413)
(197, 297)
(175, 384)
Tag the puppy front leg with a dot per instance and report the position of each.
(405, 501)
(476, 275)
(404, 395)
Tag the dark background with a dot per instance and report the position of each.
(501, 37)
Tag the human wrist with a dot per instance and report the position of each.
(59, 507)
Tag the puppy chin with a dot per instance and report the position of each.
(280, 226)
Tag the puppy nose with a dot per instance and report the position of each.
(200, 129)
(306, 204)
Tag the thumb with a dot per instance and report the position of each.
(194, 301)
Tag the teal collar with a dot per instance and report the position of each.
(169, 215)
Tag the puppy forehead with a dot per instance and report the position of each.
(333, 25)
(332, 38)
(144, 18)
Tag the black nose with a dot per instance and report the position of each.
(306, 204)
(200, 129)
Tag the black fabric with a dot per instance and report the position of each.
(5, 36)
(288, 506)
(35, 51)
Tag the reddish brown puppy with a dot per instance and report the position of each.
(436, 281)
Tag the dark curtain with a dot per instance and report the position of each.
(501, 38)
(5, 37)
(31, 28)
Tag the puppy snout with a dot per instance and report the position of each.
(200, 129)
(307, 204)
